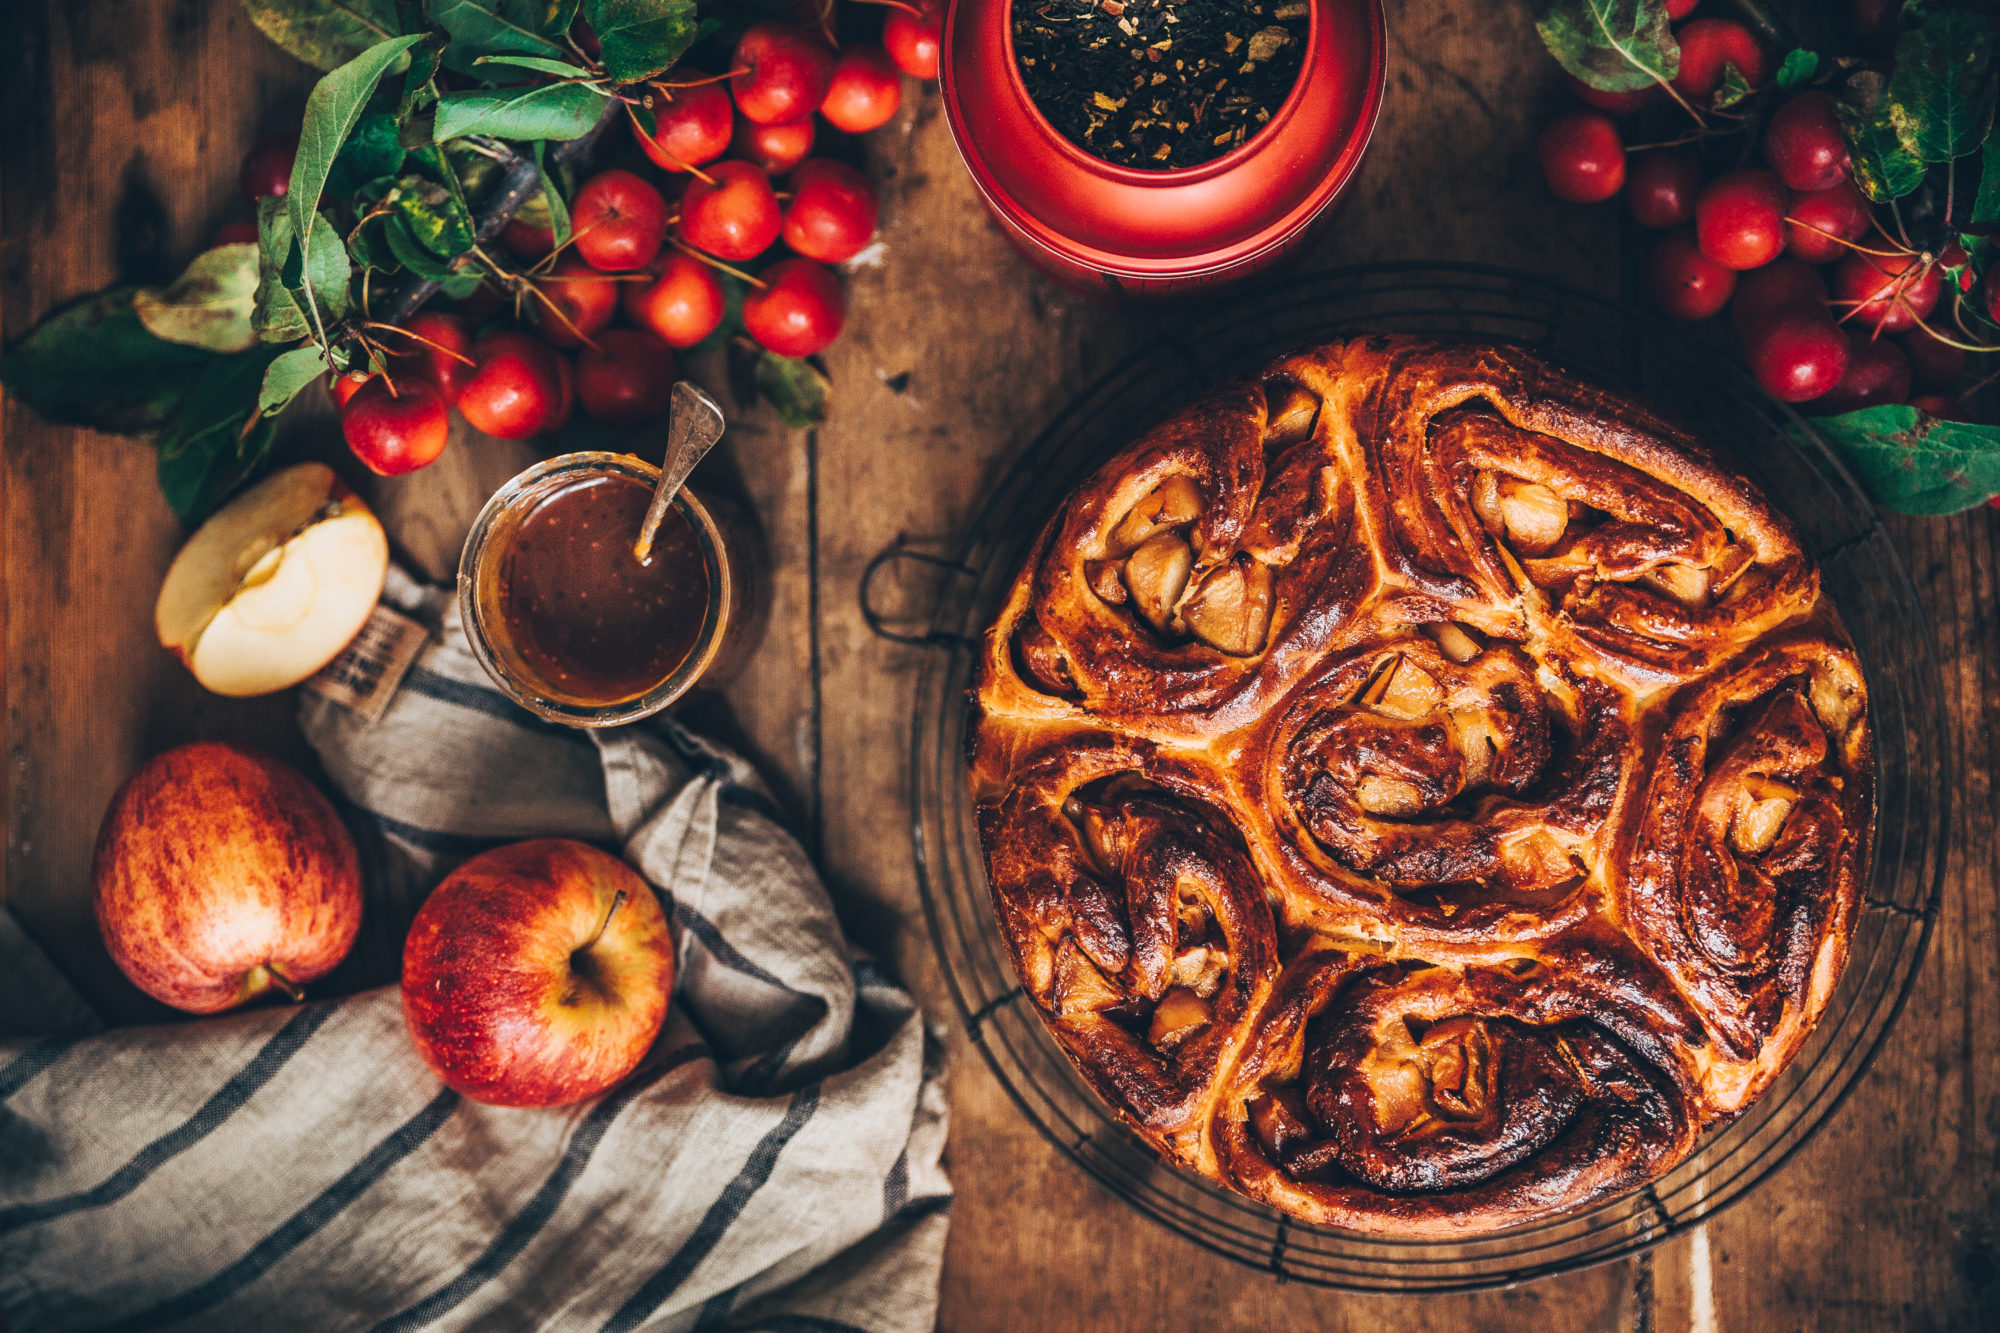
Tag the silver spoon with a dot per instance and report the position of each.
(694, 424)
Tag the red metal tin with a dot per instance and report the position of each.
(1124, 232)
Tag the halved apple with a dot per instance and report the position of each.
(275, 584)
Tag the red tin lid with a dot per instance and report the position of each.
(1155, 224)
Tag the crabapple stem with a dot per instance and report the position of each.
(704, 257)
(418, 337)
(1852, 245)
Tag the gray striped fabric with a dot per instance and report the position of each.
(773, 1165)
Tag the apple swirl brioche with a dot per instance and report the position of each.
(1422, 791)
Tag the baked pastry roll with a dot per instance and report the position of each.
(1420, 790)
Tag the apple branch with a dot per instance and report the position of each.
(521, 180)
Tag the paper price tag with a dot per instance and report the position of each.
(364, 677)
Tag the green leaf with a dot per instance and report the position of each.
(1886, 164)
(1619, 46)
(1942, 90)
(638, 39)
(332, 111)
(284, 269)
(490, 28)
(366, 248)
(1986, 206)
(1733, 89)
(410, 252)
(417, 82)
(562, 69)
(557, 16)
(799, 390)
(209, 304)
(434, 216)
(540, 111)
(1917, 464)
(274, 314)
(371, 151)
(94, 364)
(1798, 66)
(324, 33)
(218, 439)
(551, 201)
(291, 372)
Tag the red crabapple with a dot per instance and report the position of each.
(798, 311)
(1797, 352)
(691, 129)
(683, 305)
(1802, 143)
(866, 89)
(1683, 281)
(776, 148)
(735, 218)
(397, 431)
(1781, 282)
(267, 167)
(626, 378)
(784, 73)
(1877, 372)
(832, 212)
(1661, 185)
(912, 40)
(440, 351)
(619, 221)
(1739, 218)
(515, 389)
(583, 298)
(1820, 220)
(1882, 292)
(1706, 46)
(1582, 157)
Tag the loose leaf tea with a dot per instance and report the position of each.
(1159, 83)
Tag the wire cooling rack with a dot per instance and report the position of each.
(1614, 346)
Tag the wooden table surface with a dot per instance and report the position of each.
(123, 125)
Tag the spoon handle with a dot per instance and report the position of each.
(694, 424)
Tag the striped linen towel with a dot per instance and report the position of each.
(774, 1164)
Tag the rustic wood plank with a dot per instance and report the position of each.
(118, 117)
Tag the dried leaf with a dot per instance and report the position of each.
(209, 304)
(324, 33)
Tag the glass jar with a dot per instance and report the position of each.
(727, 559)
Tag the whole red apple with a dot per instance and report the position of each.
(537, 974)
(221, 874)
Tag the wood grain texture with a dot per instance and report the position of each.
(123, 128)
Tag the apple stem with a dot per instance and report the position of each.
(617, 901)
(284, 983)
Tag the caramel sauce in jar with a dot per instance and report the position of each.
(584, 613)
(577, 630)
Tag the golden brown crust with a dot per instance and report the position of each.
(1422, 791)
